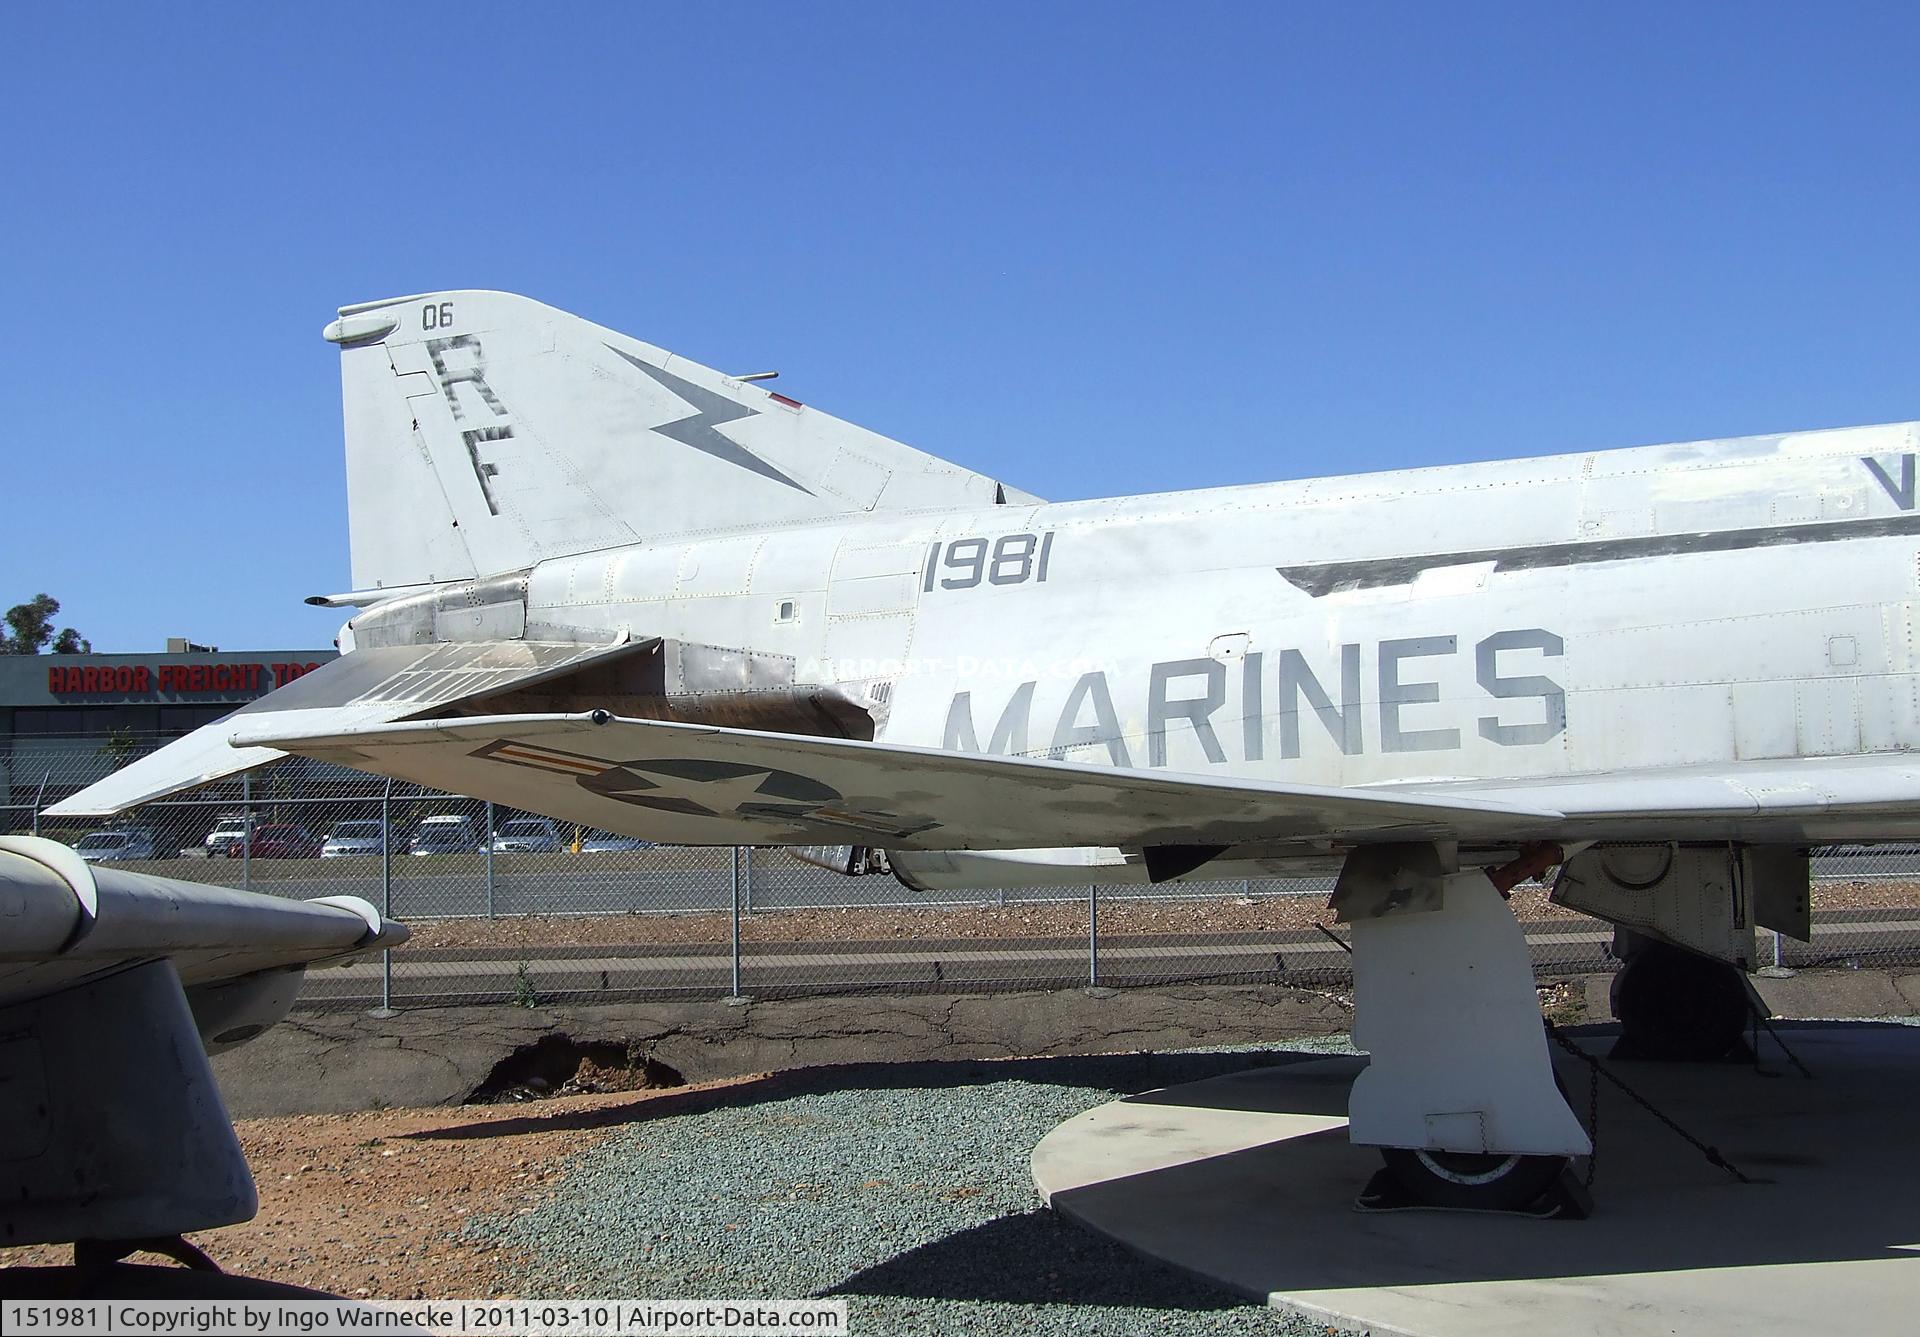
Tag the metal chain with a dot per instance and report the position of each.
(1762, 1019)
(1593, 1121)
(1711, 1153)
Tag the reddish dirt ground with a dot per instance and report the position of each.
(374, 1204)
(1118, 918)
(1053, 920)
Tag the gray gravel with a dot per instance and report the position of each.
(904, 1188)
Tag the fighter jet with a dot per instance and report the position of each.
(601, 582)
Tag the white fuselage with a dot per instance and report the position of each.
(1647, 608)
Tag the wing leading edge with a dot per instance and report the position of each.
(700, 784)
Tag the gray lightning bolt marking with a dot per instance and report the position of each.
(699, 429)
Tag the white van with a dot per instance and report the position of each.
(451, 834)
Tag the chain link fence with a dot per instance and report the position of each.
(509, 906)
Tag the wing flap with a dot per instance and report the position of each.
(700, 784)
(1868, 797)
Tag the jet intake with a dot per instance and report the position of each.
(691, 683)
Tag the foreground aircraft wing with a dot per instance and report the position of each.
(701, 784)
(370, 686)
(70, 921)
(114, 988)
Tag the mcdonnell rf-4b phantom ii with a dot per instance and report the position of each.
(600, 582)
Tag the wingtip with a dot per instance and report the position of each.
(79, 810)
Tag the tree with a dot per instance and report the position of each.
(120, 746)
(32, 627)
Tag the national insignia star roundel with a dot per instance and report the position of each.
(710, 788)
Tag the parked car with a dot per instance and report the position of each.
(226, 836)
(527, 835)
(126, 843)
(283, 840)
(451, 834)
(354, 840)
(605, 842)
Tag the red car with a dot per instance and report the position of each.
(281, 840)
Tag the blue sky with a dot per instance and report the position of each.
(1091, 249)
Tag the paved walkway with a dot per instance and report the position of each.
(1248, 1180)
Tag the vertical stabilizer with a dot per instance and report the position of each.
(486, 432)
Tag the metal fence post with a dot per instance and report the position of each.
(737, 851)
(489, 858)
(386, 897)
(746, 878)
(1093, 936)
(246, 829)
(40, 798)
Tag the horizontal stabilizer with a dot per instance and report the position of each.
(703, 785)
(373, 686)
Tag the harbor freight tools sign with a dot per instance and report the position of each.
(127, 681)
(482, 1318)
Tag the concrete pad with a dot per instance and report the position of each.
(1248, 1180)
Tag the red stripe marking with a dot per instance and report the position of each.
(520, 754)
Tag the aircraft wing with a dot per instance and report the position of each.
(1790, 800)
(69, 921)
(371, 686)
(702, 784)
(114, 988)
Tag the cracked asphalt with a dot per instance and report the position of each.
(336, 1062)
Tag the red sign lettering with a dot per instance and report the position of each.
(168, 679)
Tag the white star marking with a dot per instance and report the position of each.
(719, 797)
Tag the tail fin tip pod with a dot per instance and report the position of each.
(486, 432)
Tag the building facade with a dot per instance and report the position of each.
(65, 720)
